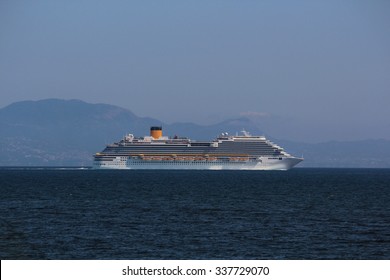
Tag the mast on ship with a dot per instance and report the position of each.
(245, 133)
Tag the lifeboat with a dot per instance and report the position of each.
(157, 158)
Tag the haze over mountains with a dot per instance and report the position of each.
(55, 132)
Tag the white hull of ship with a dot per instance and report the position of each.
(262, 164)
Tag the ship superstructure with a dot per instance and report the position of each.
(244, 152)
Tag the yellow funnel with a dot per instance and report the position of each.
(156, 132)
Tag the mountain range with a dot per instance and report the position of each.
(54, 132)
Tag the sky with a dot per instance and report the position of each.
(308, 71)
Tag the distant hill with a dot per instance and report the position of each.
(55, 132)
(69, 132)
(59, 132)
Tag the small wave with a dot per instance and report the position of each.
(45, 167)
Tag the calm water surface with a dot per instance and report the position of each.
(298, 214)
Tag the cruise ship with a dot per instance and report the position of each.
(239, 152)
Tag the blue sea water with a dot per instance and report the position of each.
(298, 214)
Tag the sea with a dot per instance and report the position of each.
(300, 214)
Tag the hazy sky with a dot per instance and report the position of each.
(309, 70)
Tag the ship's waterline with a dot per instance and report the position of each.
(226, 152)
